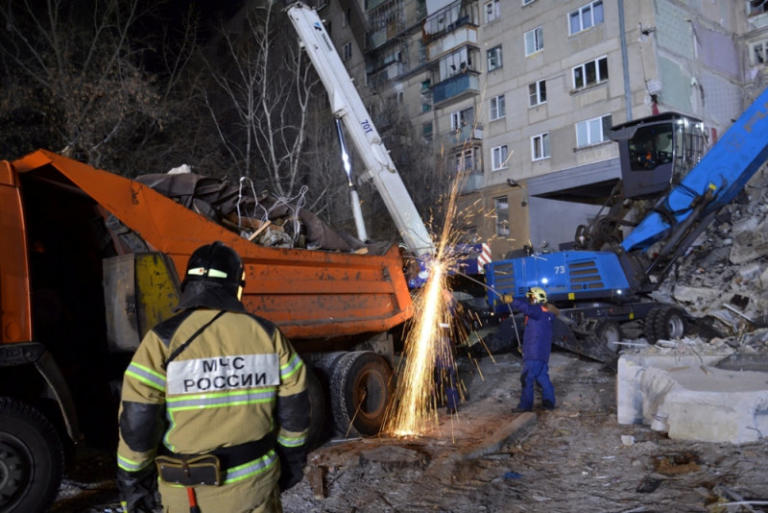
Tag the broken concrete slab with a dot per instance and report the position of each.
(689, 398)
(748, 246)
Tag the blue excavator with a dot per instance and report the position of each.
(604, 283)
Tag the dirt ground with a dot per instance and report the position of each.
(489, 459)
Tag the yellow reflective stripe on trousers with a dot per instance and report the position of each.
(246, 470)
(220, 399)
(292, 366)
(146, 375)
(130, 465)
(251, 468)
(291, 441)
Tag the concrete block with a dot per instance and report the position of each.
(686, 294)
(690, 399)
(749, 245)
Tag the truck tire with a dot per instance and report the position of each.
(669, 323)
(649, 325)
(319, 424)
(31, 459)
(361, 389)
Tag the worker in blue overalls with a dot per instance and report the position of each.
(537, 345)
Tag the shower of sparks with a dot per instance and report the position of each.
(416, 396)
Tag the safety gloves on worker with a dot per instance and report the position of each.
(138, 490)
(292, 461)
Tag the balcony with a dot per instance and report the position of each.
(465, 135)
(456, 87)
(472, 183)
(449, 18)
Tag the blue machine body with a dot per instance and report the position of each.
(574, 275)
(565, 275)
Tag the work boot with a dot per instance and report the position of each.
(547, 405)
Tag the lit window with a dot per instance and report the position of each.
(492, 10)
(501, 206)
(540, 147)
(499, 157)
(498, 108)
(534, 41)
(494, 58)
(537, 92)
(586, 17)
(590, 73)
(592, 131)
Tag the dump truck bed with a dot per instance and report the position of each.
(309, 294)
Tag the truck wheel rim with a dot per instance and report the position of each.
(15, 459)
(676, 327)
(370, 394)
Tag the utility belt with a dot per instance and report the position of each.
(209, 468)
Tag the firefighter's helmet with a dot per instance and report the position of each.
(537, 295)
(215, 263)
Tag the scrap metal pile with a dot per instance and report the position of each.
(263, 218)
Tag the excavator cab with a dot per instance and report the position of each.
(657, 151)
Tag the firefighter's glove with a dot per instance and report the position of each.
(507, 298)
(138, 490)
(292, 461)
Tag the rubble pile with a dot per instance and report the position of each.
(724, 276)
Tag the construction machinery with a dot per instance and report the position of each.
(600, 291)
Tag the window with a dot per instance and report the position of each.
(426, 131)
(534, 40)
(492, 10)
(756, 7)
(346, 52)
(592, 131)
(465, 160)
(460, 118)
(499, 157)
(455, 63)
(537, 92)
(586, 17)
(501, 206)
(498, 107)
(590, 73)
(494, 58)
(540, 147)
(758, 53)
(345, 18)
(526, 2)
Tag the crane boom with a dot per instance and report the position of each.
(347, 105)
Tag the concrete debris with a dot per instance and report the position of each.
(729, 259)
(684, 392)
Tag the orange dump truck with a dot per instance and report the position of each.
(76, 297)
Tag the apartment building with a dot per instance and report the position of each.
(519, 95)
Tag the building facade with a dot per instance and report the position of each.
(518, 96)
